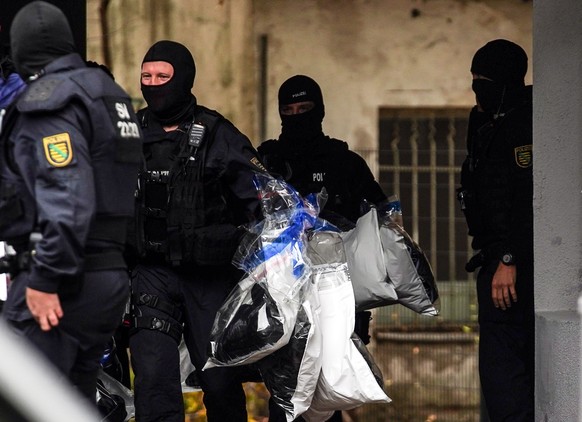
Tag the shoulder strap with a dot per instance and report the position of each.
(202, 131)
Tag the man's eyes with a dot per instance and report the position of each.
(149, 76)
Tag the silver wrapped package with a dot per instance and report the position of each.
(409, 270)
(387, 266)
(366, 264)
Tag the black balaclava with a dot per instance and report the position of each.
(40, 33)
(505, 63)
(299, 129)
(171, 101)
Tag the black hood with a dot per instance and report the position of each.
(301, 129)
(170, 101)
(40, 33)
(502, 61)
(505, 64)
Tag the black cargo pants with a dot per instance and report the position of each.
(190, 297)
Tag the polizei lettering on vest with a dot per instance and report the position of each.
(156, 174)
(318, 177)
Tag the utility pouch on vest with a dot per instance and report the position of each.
(214, 244)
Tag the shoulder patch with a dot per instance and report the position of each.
(41, 90)
(58, 149)
(523, 156)
(51, 92)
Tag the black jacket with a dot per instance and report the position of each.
(68, 169)
(187, 189)
(500, 180)
(327, 163)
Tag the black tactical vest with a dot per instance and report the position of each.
(485, 193)
(327, 164)
(182, 213)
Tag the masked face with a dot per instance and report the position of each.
(166, 80)
(163, 93)
(157, 87)
(301, 110)
(300, 128)
(489, 95)
(299, 122)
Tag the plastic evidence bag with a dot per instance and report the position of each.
(346, 380)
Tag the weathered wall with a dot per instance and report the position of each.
(371, 53)
(218, 33)
(364, 53)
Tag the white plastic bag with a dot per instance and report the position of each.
(346, 380)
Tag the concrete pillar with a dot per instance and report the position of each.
(557, 64)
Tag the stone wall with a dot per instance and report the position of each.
(364, 53)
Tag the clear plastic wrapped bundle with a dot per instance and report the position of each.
(297, 272)
(259, 315)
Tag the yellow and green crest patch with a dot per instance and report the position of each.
(58, 150)
(523, 156)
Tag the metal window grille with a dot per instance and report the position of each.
(429, 364)
(421, 152)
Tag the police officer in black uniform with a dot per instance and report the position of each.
(70, 154)
(309, 161)
(196, 188)
(496, 195)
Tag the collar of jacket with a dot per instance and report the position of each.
(62, 64)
